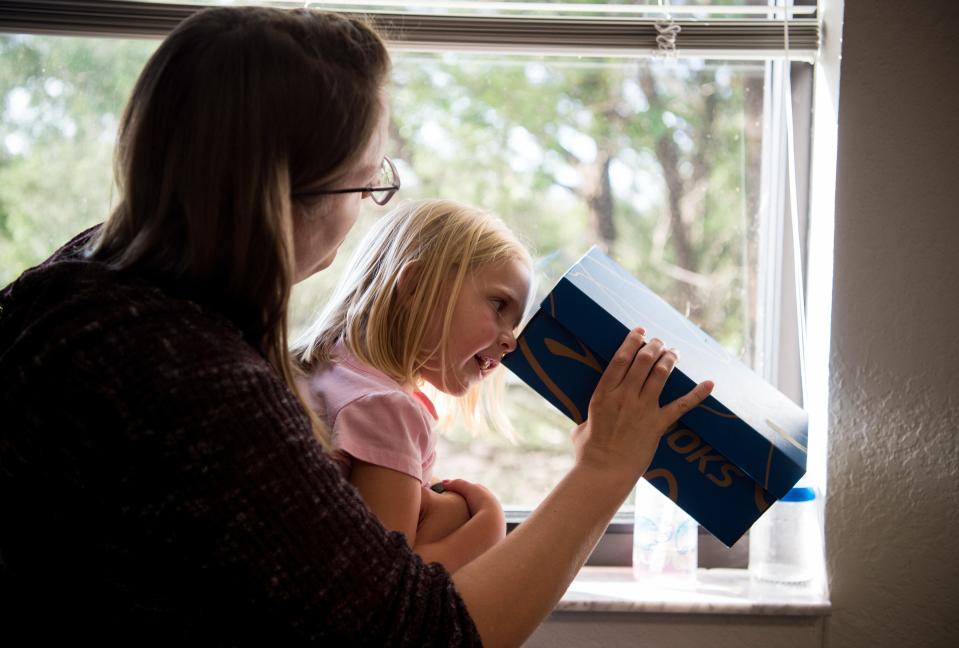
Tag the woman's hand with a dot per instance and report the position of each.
(514, 585)
(625, 421)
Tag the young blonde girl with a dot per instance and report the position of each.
(433, 295)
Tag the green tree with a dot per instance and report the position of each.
(655, 161)
(538, 140)
(541, 141)
(61, 102)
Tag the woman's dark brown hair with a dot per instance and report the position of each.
(236, 111)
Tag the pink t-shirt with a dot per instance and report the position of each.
(373, 418)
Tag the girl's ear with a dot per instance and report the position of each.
(407, 279)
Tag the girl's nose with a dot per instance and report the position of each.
(507, 341)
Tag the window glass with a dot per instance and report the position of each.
(60, 103)
(657, 161)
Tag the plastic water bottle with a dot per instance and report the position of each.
(784, 543)
(665, 538)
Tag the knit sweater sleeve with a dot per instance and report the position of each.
(204, 495)
(279, 516)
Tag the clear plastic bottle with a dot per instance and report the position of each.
(784, 543)
(665, 538)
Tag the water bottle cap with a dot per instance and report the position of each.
(799, 494)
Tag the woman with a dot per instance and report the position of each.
(160, 481)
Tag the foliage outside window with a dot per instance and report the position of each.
(656, 161)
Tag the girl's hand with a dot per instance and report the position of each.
(440, 515)
(484, 509)
(477, 497)
(485, 527)
(625, 422)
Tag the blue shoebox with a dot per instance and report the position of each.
(725, 461)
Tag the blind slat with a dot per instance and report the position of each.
(557, 34)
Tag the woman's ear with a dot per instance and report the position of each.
(407, 279)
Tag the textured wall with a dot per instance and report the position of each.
(892, 513)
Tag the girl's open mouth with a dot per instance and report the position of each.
(486, 363)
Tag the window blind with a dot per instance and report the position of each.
(623, 30)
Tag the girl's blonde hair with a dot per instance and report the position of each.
(238, 110)
(441, 242)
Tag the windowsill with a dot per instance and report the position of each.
(716, 591)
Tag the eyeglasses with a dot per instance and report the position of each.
(387, 184)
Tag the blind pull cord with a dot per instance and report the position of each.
(794, 207)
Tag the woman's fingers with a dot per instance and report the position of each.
(683, 404)
(641, 368)
(621, 362)
(625, 421)
(646, 358)
(660, 371)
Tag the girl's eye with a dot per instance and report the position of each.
(498, 304)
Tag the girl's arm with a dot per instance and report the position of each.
(511, 588)
(486, 526)
(440, 515)
(395, 499)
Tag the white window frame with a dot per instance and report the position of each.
(588, 30)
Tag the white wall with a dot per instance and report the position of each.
(892, 513)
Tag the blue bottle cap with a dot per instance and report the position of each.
(799, 494)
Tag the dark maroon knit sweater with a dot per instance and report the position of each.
(160, 485)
